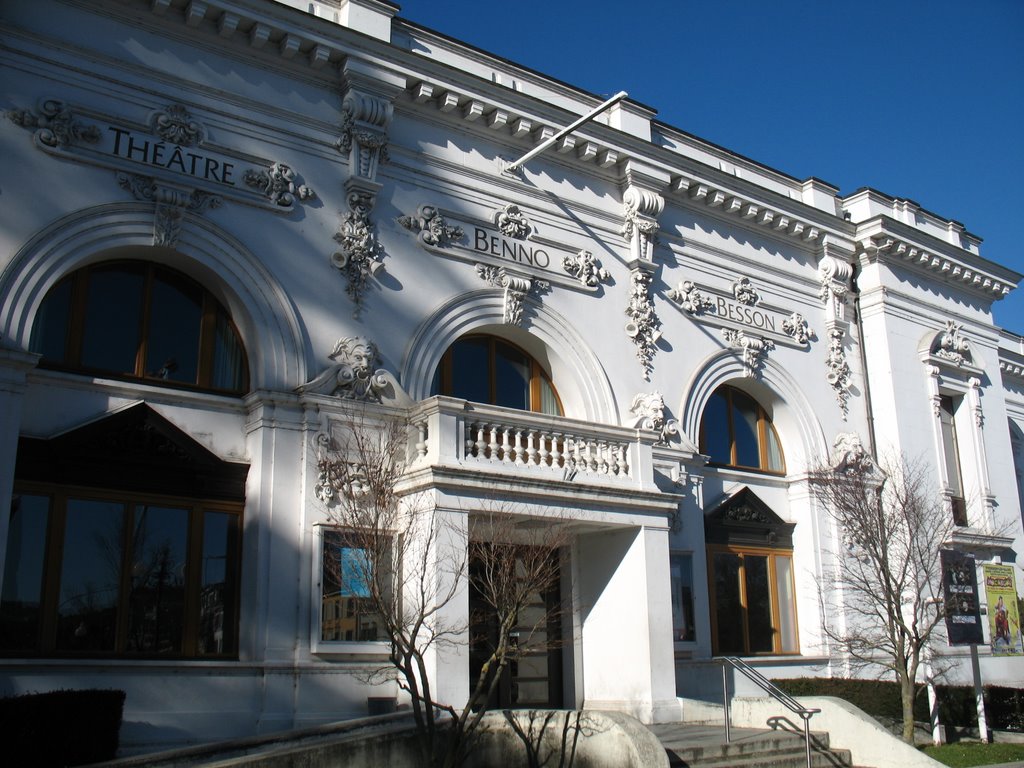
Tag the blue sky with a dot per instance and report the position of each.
(920, 99)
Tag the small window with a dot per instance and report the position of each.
(485, 369)
(684, 627)
(142, 321)
(735, 431)
(951, 456)
(94, 574)
(350, 576)
(752, 598)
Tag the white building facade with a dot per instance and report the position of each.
(229, 225)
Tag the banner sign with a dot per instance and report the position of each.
(960, 590)
(1003, 616)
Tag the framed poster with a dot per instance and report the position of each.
(960, 591)
(1003, 617)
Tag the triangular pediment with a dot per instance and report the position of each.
(743, 518)
(135, 449)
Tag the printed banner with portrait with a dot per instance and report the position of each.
(1003, 616)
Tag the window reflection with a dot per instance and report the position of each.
(20, 606)
(735, 431)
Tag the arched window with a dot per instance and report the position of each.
(140, 320)
(485, 369)
(735, 431)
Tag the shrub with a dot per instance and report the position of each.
(61, 728)
(881, 698)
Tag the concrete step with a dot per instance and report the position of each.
(706, 748)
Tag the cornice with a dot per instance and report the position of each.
(883, 239)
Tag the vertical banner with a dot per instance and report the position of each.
(960, 590)
(1003, 617)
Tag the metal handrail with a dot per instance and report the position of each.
(772, 690)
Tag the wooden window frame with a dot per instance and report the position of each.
(537, 372)
(764, 428)
(210, 310)
(772, 555)
(53, 558)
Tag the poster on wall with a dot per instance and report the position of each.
(1003, 616)
(960, 590)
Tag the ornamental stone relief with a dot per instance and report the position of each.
(795, 326)
(360, 254)
(743, 291)
(432, 227)
(175, 125)
(641, 207)
(586, 268)
(649, 410)
(55, 125)
(517, 287)
(277, 184)
(171, 205)
(688, 296)
(950, 344)
(512, 222)
(754, 349)
(363, 133)
(849, 454)
(838, 370)
(643, 325)
(353, 375)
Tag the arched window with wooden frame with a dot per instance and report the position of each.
(139, 320)
(736, 431)
(486, 369)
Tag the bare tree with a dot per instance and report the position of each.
(883, 600)
(404, 567)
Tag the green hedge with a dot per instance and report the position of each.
(881, 698)
(61, 728)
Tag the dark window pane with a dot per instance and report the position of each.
(728, 607)
(470, 370)
(512, 371)
(20, 608)
(113, 316)
(172, 346)
(744, 425)
(681, 570)
(50, 330)
(156, 602)
(228, 357)
(219, 588)
(759, 604)
(715, 429)
(90, 576)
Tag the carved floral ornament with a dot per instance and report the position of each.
(643, 326)
(432, 227)
(175, 125)
(55, 125)
(512, 222)
(586, 268)
(850, 456)
(277, 184)
(838, 370)
(359, 255)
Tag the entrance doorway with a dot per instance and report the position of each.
(534, 678)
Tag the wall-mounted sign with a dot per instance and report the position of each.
(960, 594)
(170, 149)
(741, 311)
(510, 241)
(1003, 613)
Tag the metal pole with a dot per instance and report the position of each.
(979, 694)
(807, 738)
(513, 167)
(725, 697)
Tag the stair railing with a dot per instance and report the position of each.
(771, 689)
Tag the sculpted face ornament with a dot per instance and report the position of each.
(353, 376)
(649, 408)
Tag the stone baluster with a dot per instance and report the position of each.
(519, 448)
(531, 448)
(557, 446)
(492, 446)
(505, 433)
